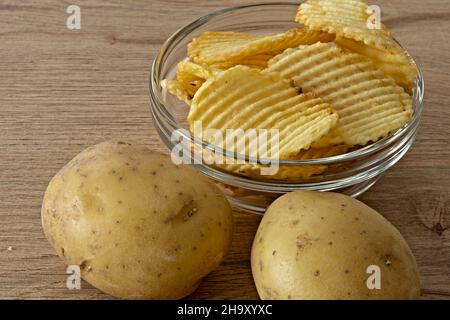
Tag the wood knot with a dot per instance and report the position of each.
(433, 209)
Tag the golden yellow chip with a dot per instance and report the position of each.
(283, 173)
(351, 22)
(317, 153)
(395, 63)
(344, 18)
(244, 99)
(213, 47)
(175, 88)
(194, 70)
(290, 172)
(191, 76)
(256, 62)
(370, 104)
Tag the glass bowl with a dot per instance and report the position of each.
(356, 170)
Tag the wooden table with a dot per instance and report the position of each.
(63, 90)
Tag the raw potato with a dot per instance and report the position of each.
(313, 245)
(138, 226)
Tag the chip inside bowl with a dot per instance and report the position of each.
(357, 29)
(242, 98)
(216, 47)
(369, 103)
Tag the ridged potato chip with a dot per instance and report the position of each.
(191, 76)
(344, 18)
(369, 103)
(317, 153)
(289, 172)
(175, 88)
(242, 98)
(214, 47)
(256, 62)
(393, 63)
(349, 21)
(186, 67)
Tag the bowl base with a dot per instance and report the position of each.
(259, 204)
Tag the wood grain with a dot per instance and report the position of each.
(62, 90)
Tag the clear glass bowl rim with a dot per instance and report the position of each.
(155, 91)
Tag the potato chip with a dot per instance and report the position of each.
(350, 20)
(213, 47)
(317, 153)
(242, 98)
(290, 172)
(394, 63)
(283, 173)
(256, 62)
(370, 104)
(175, 88)
(186, 67)
(191, 76)
(344, 18)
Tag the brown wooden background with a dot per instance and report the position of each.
(62, 90)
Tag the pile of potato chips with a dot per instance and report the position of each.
(332, 85)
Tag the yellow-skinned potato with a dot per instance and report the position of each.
(137, 225)
(317, 245)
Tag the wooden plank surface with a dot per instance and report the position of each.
(62, 90)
